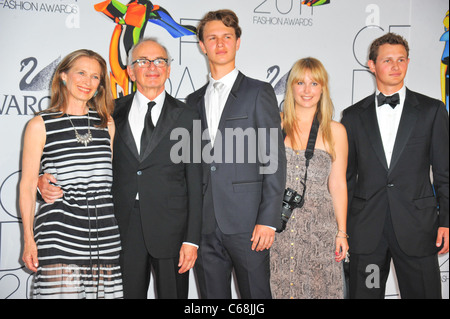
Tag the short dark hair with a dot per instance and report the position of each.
(388, 38)
(228, 17)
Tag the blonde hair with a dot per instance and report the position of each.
(325, 107)
(102, 102)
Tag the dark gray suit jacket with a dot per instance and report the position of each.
(170, 194)
(236, 194)
(405, 188)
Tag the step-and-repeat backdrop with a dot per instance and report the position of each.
(36, 34)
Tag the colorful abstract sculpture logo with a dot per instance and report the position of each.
(131, 20)
(315, 3)
(444, 64)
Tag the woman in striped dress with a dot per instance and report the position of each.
(73, 244)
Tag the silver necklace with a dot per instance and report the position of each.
(85, 138)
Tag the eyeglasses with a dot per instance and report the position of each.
(145, 63)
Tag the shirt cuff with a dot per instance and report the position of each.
(187, 243)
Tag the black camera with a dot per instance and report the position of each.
(291, 201)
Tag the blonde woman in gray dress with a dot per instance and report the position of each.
(306, 258)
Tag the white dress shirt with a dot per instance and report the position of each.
(388, 122)
(136, 116)
(137, 113)
(136, 119)
(214, 111)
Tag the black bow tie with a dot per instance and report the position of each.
(392, 100)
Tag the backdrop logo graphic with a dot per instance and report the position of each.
(314, 3)
(444, 63)
(36, 6)
(40, 81)
(131, 20)
(286, 13)
(34, 78)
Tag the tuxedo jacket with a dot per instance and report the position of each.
(236, 194)
(170, 194)
(417, 202)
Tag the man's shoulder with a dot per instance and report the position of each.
(196, 94)
(359, 106)
(422, 98)
(189, 111)
(253, 82)
(124, 99)
(121, 103)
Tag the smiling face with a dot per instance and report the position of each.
(220, 44)
(390, 67)
(150, 80)
(82, 79)
(307, 92)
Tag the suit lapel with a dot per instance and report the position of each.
(169, 115)
(370, 123)
(123, 127)
(407, 123)
(230, 104)
(201, 106)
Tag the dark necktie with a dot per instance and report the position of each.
(392, 100)
(148, 127)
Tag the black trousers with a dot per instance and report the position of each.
(219, 254)
(418, 277)
(137, 265)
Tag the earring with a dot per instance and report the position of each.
(95, 94)
(64, 82)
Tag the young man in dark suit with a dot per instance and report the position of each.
(242, 198)
(395, 211)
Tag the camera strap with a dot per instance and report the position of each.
(309, 153)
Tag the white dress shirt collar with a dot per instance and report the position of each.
(137, 114)
(142, 100)
(228, 80)
(215, 102)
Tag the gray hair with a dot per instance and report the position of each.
(144, 40)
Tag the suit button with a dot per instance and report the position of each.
(139, 173)
(213, 168)
(390, 185)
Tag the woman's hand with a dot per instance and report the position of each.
(341, 248)
(29, 256)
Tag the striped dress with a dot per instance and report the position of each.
(77, 236)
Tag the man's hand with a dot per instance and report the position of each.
(48, 191)
(262, 238)
(442, 236)
(188, 256)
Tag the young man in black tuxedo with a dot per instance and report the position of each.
(395, 211)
